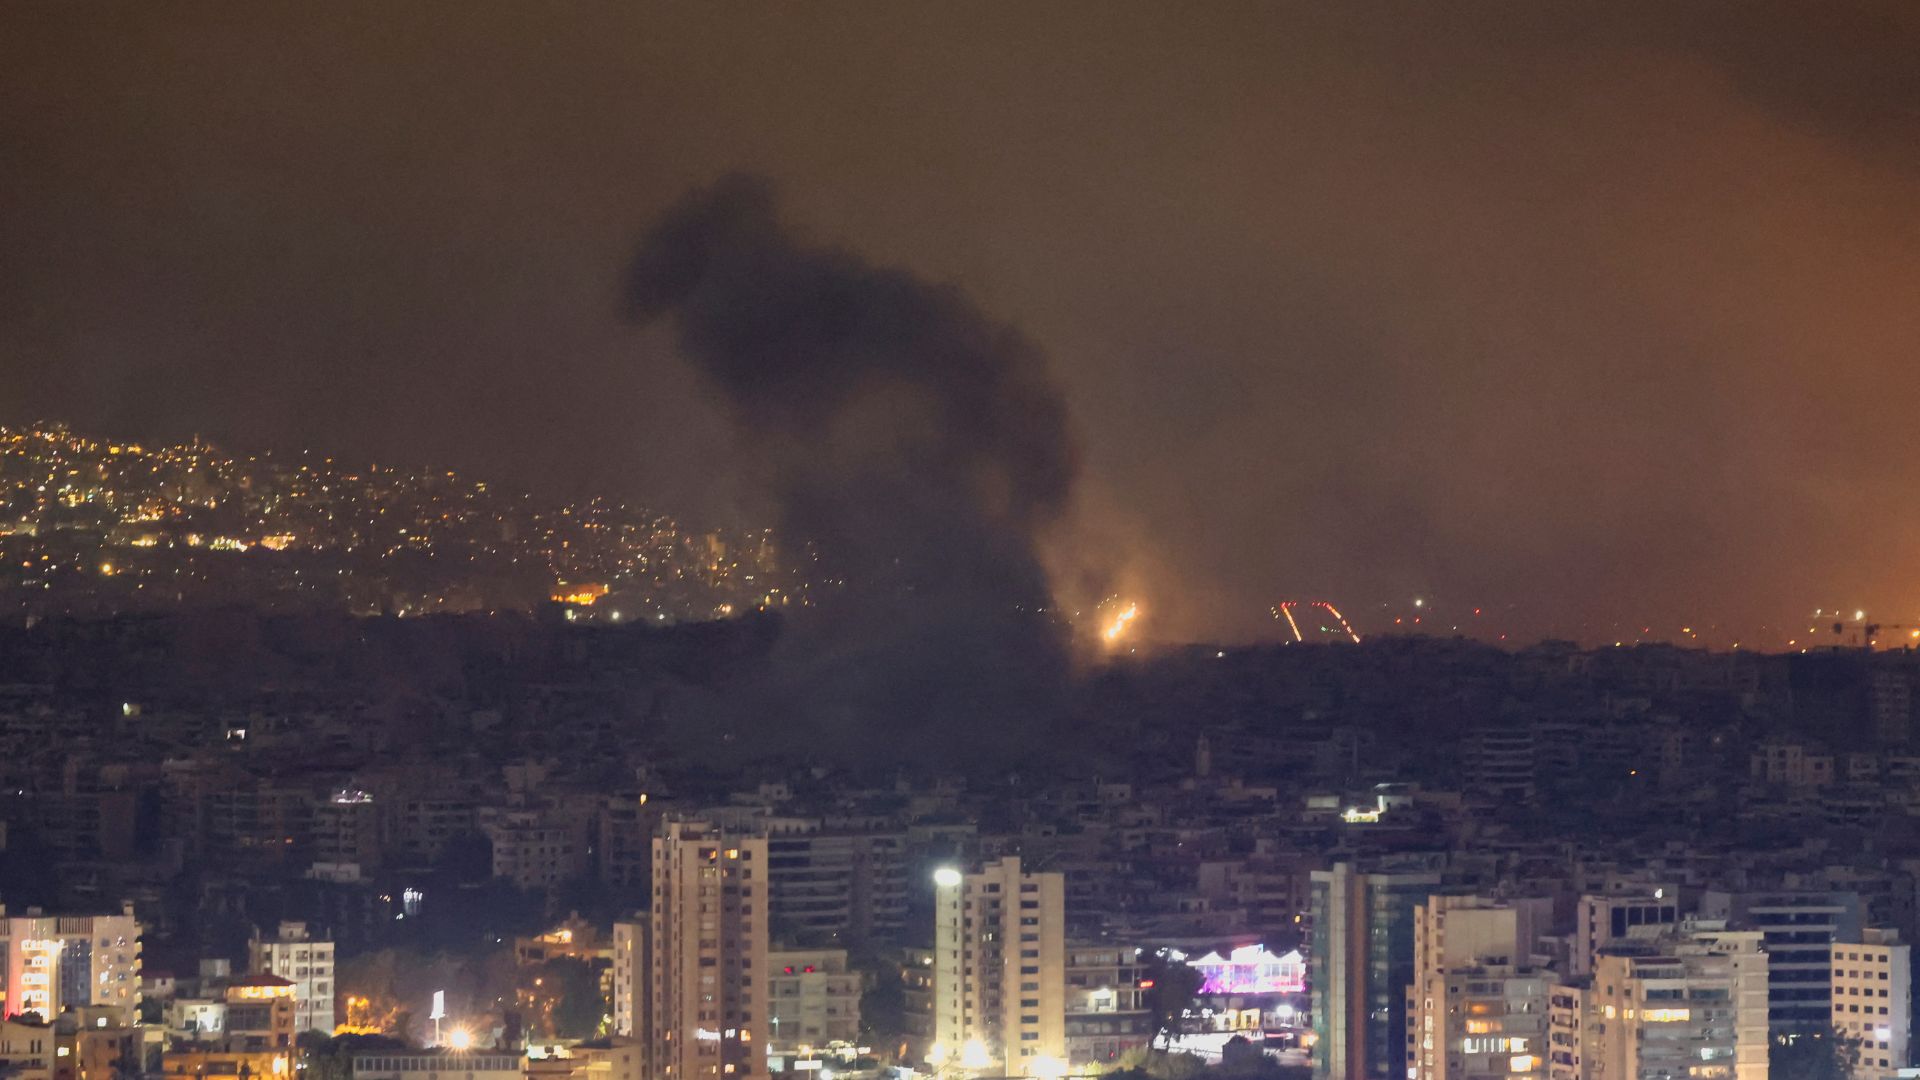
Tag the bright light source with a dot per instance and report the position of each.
(460, 1039)
(937, 1054)
(947, 878)
(1046, 1067)
(974, 1055)
(1418, 602)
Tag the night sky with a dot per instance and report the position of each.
(1575, 314)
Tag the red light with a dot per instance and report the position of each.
(808, 969)
(789, 969)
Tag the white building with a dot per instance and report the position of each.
(1478, 1006)
(812, 999)
(1872, 1002)
(1000, 968)
(1690, 1003)
(56, 961)
(307, 963)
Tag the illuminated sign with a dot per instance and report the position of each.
(1665, 1016)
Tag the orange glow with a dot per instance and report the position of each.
(1120, 621)
(583, 595)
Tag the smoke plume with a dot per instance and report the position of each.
(918, 446)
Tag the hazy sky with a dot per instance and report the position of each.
(1598, 313)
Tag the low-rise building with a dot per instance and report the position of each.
(812, 999)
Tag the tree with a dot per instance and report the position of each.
(1145, 1064)
(1171, 989)
(1241, 1060)
(580, 1009)
(1814, 1055)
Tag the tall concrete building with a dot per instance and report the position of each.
(1478, 1004)
(1873, 1002)
(298, 957)
(1359, 968)
(1000, 968)
(56, 961)
(851, 886)
(1800, 929)
(1690, 1003)
(707, 953)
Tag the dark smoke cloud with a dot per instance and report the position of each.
(920, 448)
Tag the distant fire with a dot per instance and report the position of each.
(1118, 625)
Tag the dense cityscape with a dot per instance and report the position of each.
(1412, 854)
(91, 525)
(1071, 541)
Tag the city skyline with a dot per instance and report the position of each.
(1599, 313)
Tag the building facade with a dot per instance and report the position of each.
(297, 956)
(813, 1000)
(1477, 1005)
(1000, 967)
(1679, 1004)
(1873, 1002)
(53, 962)
(707, 959)
(1359, 968)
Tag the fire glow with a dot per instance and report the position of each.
(1120, 622)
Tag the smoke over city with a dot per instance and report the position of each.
(918, 447)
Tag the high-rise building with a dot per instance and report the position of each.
(707, 963)
(1000, 968)
(851, 885)
(1686, 1003)
(305, 961)
(56, 961)
(1478, 1006)
(1800, 929)
(1873, 1002)
(1359, 967)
